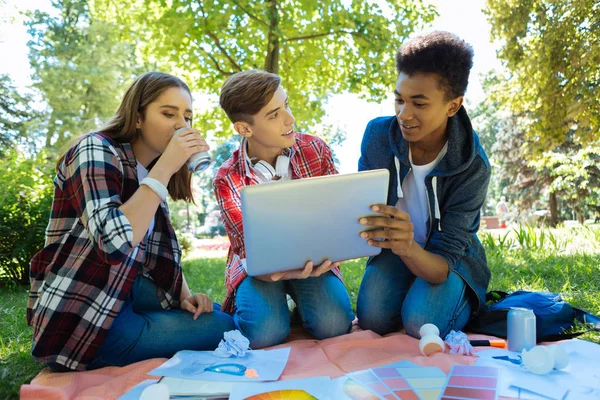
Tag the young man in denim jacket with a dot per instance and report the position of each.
(432, 268)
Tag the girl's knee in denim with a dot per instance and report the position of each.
(265, 329)
(262, 314)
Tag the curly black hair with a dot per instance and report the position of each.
(441, 53)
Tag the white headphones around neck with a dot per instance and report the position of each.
(267, 172)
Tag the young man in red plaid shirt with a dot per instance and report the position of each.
(271, 150)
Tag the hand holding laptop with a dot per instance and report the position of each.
(308, 221)
(393, 229)
(301, 273)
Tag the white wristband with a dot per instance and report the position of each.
(156, 186)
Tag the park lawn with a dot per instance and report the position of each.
(562, 261)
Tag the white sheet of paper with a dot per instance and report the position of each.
(580, 396)
(507, 374)
(319, 387)
(582, 346)
(580, 378)
(583, 369)
(188, 364)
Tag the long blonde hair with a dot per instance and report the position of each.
(122, 126)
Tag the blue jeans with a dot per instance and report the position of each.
(144, 330)
(391, 297)
(263, 316)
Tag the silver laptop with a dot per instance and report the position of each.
(289, 223)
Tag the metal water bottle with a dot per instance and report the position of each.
(199, 161)
(521, 332)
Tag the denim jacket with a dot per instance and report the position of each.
(456, 192)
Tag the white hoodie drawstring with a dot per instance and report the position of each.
(399, 184)
(437, 204)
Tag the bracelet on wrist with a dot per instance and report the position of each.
(156, 186)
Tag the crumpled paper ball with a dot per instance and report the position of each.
(234, 344)
(459, 343)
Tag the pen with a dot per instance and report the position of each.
(491, 343)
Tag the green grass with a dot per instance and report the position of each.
(16, 365)
(565, 261)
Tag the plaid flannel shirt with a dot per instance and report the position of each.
(84, 273)
(309, 156)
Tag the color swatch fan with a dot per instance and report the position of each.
(403, 380)
(472, 382)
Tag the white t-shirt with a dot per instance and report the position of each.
(415, 201)
(142, 173)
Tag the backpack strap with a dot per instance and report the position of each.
(591, 321)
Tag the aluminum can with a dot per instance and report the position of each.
(521, 332)
(199, 161)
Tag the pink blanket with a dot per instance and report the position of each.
(309, 357)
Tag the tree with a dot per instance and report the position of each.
(550, 86)
(82, 67)
(319, 48)
(485, 120)
(574, 173)
(25, 203)
(524, 184)
(488, 114)
(566, 178)
(550, 49)
(19, 123)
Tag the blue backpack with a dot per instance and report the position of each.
(555, 318)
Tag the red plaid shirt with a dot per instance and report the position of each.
(309, 157)
(83, 275)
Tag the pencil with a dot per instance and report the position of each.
(491, 343)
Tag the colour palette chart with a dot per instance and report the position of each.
(283, 395)
(402, 380)
(471, 382)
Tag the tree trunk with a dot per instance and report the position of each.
(272, 60)
(50, 132)
(581, 196)
(553, 209)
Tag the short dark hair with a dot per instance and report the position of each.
(245, 93)
(441, 53)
